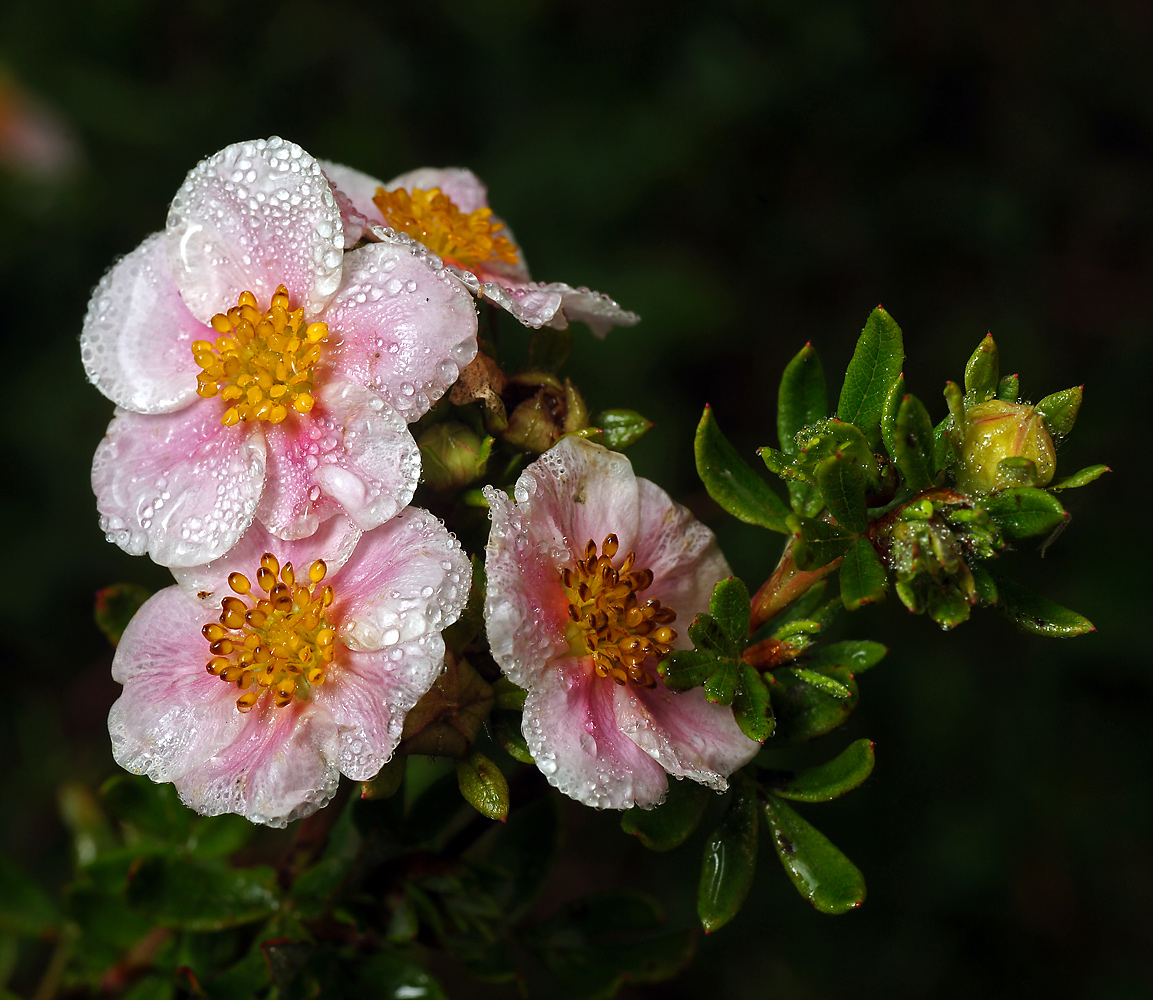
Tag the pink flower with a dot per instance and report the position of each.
(315, 650)
(259, 369)
(587, 571)
(447, 211)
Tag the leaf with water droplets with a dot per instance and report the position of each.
(863, 578)
(731, 482)
(1031, 612)
(730, 860)
(802, 398)
(1082, 478)
(828, 781)
(1024, 512)
(752, 707)
(875, 365)
(820, 872)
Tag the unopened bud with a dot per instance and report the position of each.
(553, 410)
(452, 456)
(996, 430)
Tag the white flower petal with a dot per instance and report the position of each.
(401, 328)
(253, 216)
(138, 333)
(407, 578)
(180, 486)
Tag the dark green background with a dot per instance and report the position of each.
(747, 176)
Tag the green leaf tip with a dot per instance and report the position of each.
(876, 362)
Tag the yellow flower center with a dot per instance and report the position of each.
(261, 364)
(465, 239)
(278, 643)
(609, 622)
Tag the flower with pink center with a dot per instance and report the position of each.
(447, 211)
(259, 369)
(315, 650)
(589, 567)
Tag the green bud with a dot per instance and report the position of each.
(452, 456)
(997, 430)
(553, 410)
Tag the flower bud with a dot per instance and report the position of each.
(996, 430)
(452, 456)
(554, 409)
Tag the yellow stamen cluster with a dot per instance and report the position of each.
(261, 364)
(466, 239)
(280, 643)
(608, 620)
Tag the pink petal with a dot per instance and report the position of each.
(281, 766)
(596, 309)
(402, 328)
(578, 492)
(466, 190)
(136, 344)
(172, 714)
(571, 730)
(352, 453)
(180, 486)
(406, 579)
(253, 216)
(333, 542)
(526, 610)
(681, 552)
(685, 733)
(369, 694)
(357, 186)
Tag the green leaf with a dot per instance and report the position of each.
(729, 606)
(913, 443)
(842, 484)
(802, 399)
(220, 836)
(985, 584)
(1009, 388)
(955, 399)
(200, 895)
(506, 732)
(752, 707)
(115, 607)
(828, 781)
(730, 860)
(805, 710)
(1059, 410)
(876, 363)
(689, 668)
(822, 682)
(820, 872)
(820, 543)
(707, 634)
(731, 482)
(672, 822)
(889, 415)
(507, 695)
(983, 372)
(621, 427)
(722, 685)
(1023, 512)
(1031, 612)
(1082, 478)
(548, 349)
(863, 578)
(856, 654)
(25, 908)
(483, 786)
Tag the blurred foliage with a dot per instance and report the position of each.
(747, 176)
